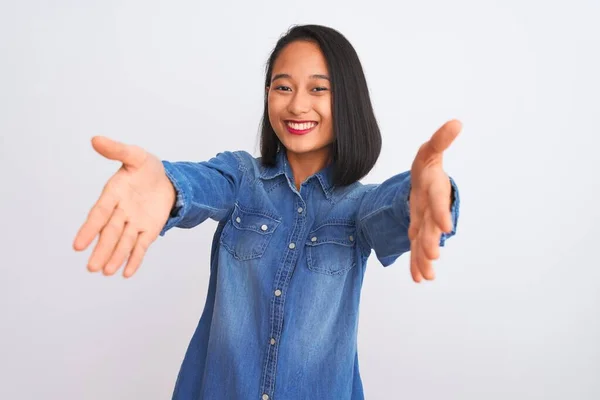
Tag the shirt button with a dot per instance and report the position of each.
(300, 209)
(352, 238)
(238, 220)
(265, 397)
(272, 341)
(313, 239)
(278, 293)
(292, 246)
(264, 227)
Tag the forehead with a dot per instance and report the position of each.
(300, 59)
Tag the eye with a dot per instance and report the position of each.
(283, 88)
(320, 89)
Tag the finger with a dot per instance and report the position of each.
(415, 218)
(430, 238)
(137, 255)
(439, 194)
(423, 262)
(425, 265)
(414, 268)
(109, 236)
(129, 155)
(96, 220)
(413, 229)
(444, 136)
(123, 249)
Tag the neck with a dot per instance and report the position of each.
(307, 164)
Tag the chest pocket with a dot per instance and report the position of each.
(248, 233)
(331, 248)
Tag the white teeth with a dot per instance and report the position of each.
(303, 126)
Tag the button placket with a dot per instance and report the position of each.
(282, 280)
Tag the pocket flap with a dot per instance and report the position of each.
(339, 232)
(253, 221)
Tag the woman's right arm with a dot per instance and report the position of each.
(206, 189)
(136, 204)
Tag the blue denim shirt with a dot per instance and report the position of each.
(287, 266)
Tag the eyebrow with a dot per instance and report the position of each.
(288, 76)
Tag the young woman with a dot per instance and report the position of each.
(295, 228)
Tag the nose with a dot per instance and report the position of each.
(299, 104)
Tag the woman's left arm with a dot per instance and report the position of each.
(414, 211)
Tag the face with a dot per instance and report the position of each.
(299, 100)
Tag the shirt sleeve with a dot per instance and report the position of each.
(384, 217)
(206, 189)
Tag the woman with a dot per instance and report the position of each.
(295, 228)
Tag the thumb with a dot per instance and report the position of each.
(443, 138)
(132, 156)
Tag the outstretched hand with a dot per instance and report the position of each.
(130, 212)
(430, 201)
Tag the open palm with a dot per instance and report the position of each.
(130, 212)
(430, 201)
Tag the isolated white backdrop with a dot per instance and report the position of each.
(515, 309)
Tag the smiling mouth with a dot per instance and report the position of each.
(300, 127)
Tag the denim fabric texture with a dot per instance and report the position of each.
(286, 270)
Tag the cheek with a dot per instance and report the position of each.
(272, 111)
(324, 110)
(323, 107)
(275, 107)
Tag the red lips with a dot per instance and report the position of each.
(294, 131)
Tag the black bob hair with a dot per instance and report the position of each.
(357, 138)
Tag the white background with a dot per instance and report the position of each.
(515, 309)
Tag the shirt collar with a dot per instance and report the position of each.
(282, 167)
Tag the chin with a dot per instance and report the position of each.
(298, 149)
(304, 148)
(307, 144)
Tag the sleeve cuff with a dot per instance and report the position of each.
(182, 190)
(454, 208)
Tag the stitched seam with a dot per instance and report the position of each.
(276, 185)
(248, 210)
(335, 222)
